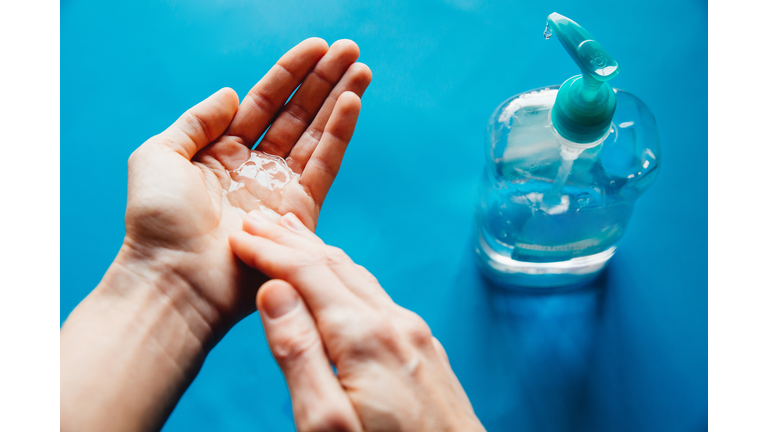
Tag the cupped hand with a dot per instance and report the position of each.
(177, 221)
(322, 308)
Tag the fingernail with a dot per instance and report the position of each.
(293, 221)
(280, 300)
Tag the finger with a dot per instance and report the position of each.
(325, 161)
(299, 112)
(289, 232)
(356, 80)
(321, 289)
(201, 124)
(292, 222)
(268, 96)
(319, 401)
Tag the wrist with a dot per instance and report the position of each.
(149, 289)
(136, 342)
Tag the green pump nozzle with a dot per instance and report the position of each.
(585, 103)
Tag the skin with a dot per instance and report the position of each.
(133, 346)
(322, 308)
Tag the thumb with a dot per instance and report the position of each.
(201, 124)
(319, 402)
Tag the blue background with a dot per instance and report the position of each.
(628, 356)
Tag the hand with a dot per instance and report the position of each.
(393, 375)
(176, 216)
(133, 346)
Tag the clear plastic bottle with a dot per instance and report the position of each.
(551, 209)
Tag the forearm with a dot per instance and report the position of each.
(130, 350)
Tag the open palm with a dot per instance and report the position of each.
(178, 217)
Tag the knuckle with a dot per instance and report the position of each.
(379, 331)
(416, 329)
(322, 76)
(336, 325)
(324, 167)
(360, 335)
(367, 275)
(262, 100)
(289, 348)
(298, 112)
(335, 256)
(330, 419)
(194, 125)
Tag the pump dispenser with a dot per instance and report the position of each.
(565, 165)
(585, 104)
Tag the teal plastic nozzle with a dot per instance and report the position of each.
(585, 103)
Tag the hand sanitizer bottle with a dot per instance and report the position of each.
(565, 165)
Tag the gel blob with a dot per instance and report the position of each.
(258, 183)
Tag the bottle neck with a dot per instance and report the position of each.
(574, 145)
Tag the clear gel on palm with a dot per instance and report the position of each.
(258, 183)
